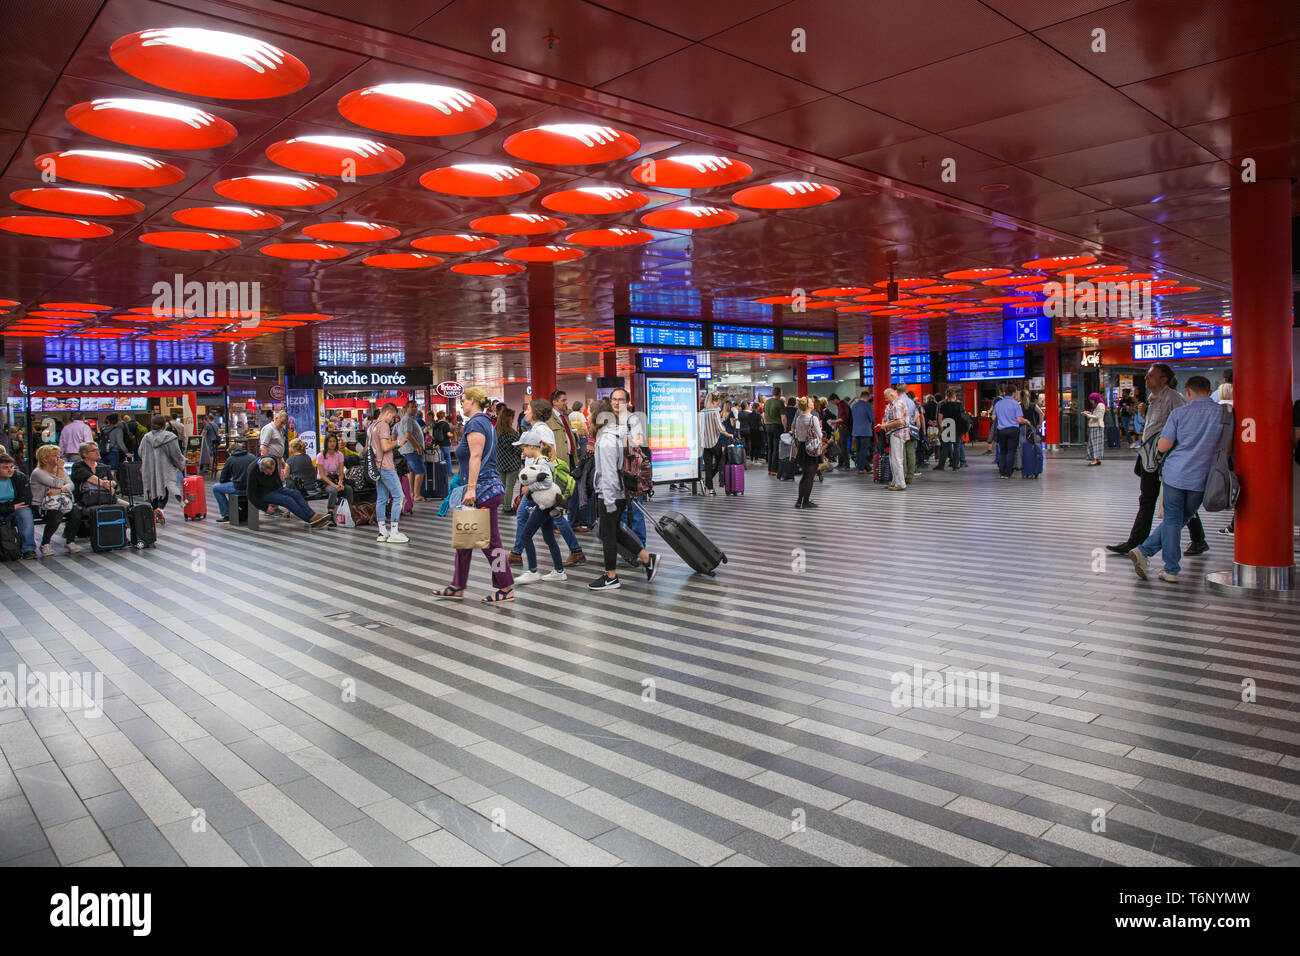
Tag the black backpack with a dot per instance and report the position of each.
(11, 548)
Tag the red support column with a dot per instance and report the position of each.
(541, 329)
(609, 363)
(304, 356)
(1260, 232)
(800, 377)
(1052, 393)
(879, 365)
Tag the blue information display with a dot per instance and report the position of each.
(1028, 329)
(668, 363)
(909, 369)
(674, 428)
(1182, 348)
(743, 338)
(705, 372)
(666, 332)
(983, 364)
(819, 374)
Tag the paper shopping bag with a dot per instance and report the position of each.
(471, 528)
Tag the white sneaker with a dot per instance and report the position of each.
(383, 533)
(554, 576)
(46, 550)
(71, 547)
(528, 577)
(396, 537)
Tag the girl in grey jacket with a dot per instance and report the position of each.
(610, 438)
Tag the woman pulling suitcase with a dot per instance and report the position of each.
(614, 500)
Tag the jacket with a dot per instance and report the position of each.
(609, 459)
(236, 468)
(260, 485)
(160, 460)
(22, 493)
(562, 448)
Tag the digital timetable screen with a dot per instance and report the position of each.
(984, 364)
(668, 333)
(743, 338)
(810, 341)
(908, 369)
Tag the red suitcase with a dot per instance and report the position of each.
(733, 479)
(196, 498)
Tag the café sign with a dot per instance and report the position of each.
(451, 389)
(131, 377)
(364, 378)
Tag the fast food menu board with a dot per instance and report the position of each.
(674, 428)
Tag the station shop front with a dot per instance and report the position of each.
(342, 399)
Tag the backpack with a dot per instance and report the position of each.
(372, 462)
(563, 478)
(635, 471)
(11, 548)
(1221, 485)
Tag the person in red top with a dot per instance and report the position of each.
(844, 419)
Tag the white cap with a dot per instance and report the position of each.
(534, 436)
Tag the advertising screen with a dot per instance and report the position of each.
(674, 437)
(810, 341)
(684, 364)
(668, 333)
(985, 364)
(38, 404)
(139, 403)
(122, 403)
(744, 338)
(1182, 348)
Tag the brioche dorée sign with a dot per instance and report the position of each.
(364, 378)
(451, 389)
(132, 377)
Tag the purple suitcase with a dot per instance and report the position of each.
(733, 479)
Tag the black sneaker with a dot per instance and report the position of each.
(223, 520)
(1119, 548)
(603, 583)
(1226, 530)
(810, 504)
(651, 568)
(29, 555)
(1196, 547)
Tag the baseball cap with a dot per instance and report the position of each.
(534, 436)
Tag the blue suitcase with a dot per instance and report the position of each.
(1031, 460)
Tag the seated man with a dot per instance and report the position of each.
(266, 488)
(233, 478)
(16, 504)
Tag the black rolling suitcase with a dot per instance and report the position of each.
(690, 543)
(130, 479)
(144, 532)
(108, 527)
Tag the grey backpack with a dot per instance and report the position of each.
(1221, 485)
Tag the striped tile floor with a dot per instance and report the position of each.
(298, 698)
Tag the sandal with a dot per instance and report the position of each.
(499, 595)
(450, 592)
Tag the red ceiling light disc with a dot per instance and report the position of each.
(918, 302)
(54, 227)
(103, 167)
(873, 297)
(595, 200)
(691, 172)
(479, 179)
(305, 317)
(352, 231)
(825, 304)
(488, 268)
(1012, 280)
(793, 194)
(79, 202)
(275, 190)
(892, 311)
(1087, 272)
(689, 217)
(1010, 300)
(518, 224)
(194, 241)
(304, 250)
(544, 254)
(228, 217)
(1034, 287)
(5, 303)
(402, 260)
(616, 236)
(776, 300)
(334, 155)
(571, 144)
(944, 288)
(979, 310)
(847, 290)
(904, 283)
(1128, 276)
(987, 272)
(860, 308)
(209, 63)
(72, 318)
(417, 109)
(75, 307)
(1167, 290)
(154, 124)
(460, 242)
(1058, 262)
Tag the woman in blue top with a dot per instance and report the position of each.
(477, 454)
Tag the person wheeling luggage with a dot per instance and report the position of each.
(162, 462)
(16, 504)
(614, 499)
(713, 439)
(543, 480)
(53, 496)
(266, 488)
(233, 478)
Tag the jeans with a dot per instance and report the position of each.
(948, 455)
(332, 496)
(541, 518)
(1180, 508)
(898, 457)
(864, 444)
(613, 533)
(961, 452)
(502, 579)
(635, 519)
(219, 491)
(25, 522)
(291, 499)
(113, 458)
(773, 446)
(561, 524)
(388, 491)
(1148, 495)
(1008, 443)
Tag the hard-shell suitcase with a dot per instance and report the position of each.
(1031, 459)
(1112, 436)
(108, 527)
(688, 541)
(785, 470)
(144, 532)
(196, 498)
(435, 479)
(733, 479)
(736, 455)
(130, 479)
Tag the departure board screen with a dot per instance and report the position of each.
(908, 369)
(810, 341)
(744, 338)
(985, 364)
(665, 333)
